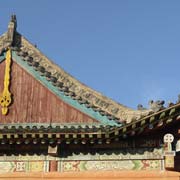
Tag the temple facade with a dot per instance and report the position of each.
(51, 122)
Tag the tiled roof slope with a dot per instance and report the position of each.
(65, 82)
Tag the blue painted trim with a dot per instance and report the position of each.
(89, 111)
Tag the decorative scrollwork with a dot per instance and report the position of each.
(5, 97)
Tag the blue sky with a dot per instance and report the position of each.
(129, 50)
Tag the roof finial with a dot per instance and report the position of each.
(13, 19)
(11, 29)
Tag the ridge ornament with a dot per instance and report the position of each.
(5, 97)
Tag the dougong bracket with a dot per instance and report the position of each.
(5, 97)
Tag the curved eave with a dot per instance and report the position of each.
(53, 134)
(150, 123)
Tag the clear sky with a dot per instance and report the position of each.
(129, 50)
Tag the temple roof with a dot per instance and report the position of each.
(115, 120)
(63, 81)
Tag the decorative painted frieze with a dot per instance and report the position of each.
(76, 166)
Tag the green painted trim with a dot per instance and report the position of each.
(2, 57)
(89, 111)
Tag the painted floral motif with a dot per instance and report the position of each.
(71, 166)
(154, 165)
(21, 166)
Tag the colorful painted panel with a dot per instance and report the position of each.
(70, 166)
(24, 166)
